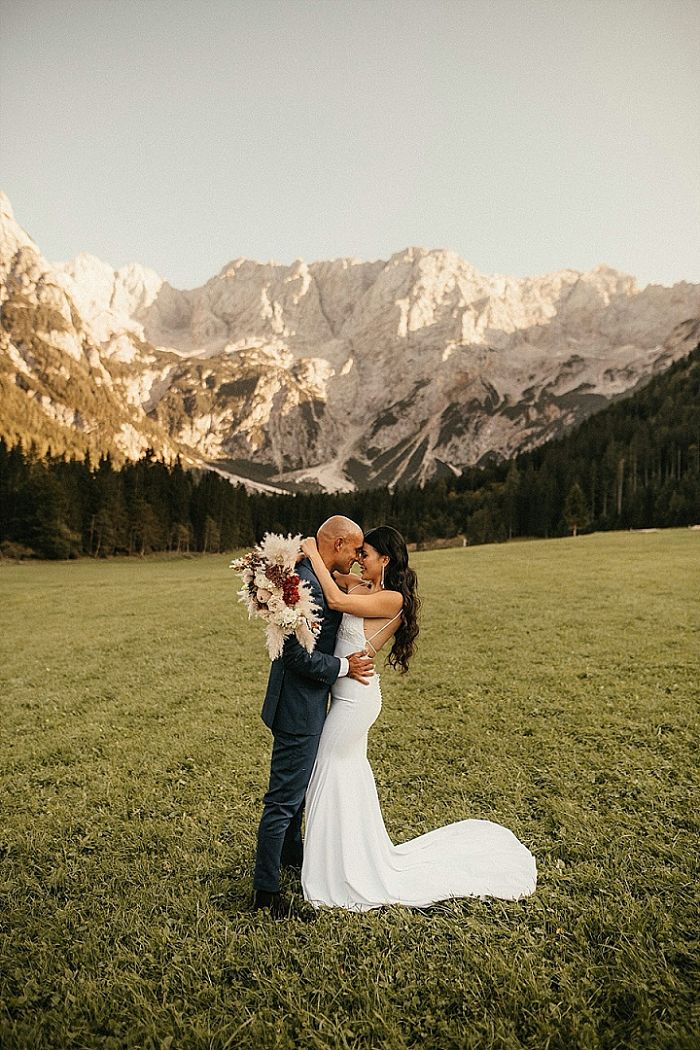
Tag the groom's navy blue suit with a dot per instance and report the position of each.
(294, 709)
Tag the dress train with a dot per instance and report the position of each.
(349, 859)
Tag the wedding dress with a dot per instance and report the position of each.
(349, 859)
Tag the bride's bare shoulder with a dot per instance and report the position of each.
(348, 581)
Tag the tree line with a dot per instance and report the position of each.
(635, 464)
(57, 507)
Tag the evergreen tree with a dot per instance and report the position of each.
(576, 513)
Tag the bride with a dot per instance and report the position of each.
(349, 859)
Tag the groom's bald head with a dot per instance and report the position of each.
(339, 542)
(338, 527)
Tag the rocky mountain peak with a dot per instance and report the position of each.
(338, 372)
(12, 240)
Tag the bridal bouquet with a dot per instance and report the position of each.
(272, 591)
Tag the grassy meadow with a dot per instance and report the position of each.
(555, 691)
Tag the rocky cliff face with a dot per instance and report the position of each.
(339, 374)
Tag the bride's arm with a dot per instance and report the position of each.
(378, 603)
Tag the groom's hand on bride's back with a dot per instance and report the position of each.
(360, 667)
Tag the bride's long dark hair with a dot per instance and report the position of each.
(398, 576)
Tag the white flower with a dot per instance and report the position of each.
(280, 550)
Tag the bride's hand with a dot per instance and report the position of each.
(309, 546)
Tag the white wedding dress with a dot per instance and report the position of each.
(349, 859)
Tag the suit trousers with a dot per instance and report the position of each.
(279, 834)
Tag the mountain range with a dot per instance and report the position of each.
(335, 375)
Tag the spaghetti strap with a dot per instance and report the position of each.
(384, 625)
(368, 641)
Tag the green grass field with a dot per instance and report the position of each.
(556, 692)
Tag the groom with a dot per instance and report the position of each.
(295, 710)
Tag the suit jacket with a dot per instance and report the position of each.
(297, 689)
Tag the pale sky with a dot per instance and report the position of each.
(526, 135)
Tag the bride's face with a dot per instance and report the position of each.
(371, 562)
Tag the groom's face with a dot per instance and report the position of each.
(348, 551)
